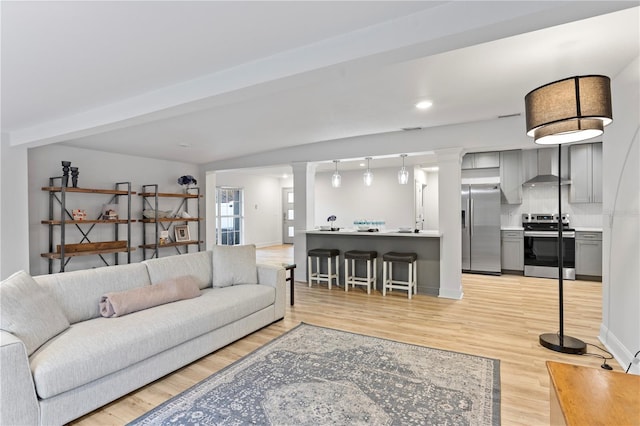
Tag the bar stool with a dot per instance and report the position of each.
(328, 254)
(388, 259)
(372, 273)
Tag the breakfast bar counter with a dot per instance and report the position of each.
(426, 244)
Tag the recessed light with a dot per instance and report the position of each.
(362, 164)
(424, 104)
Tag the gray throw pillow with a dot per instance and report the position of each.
(234, 265)
(29, 312)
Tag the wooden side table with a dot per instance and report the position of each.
(291, 278)
(592, 396)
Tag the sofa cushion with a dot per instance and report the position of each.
(117, 304)
(234, 265)
(196, 264)
(29, 312)
(93, 349)
(79, 292)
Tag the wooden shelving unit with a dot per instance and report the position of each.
(151, 237)
(61, 217)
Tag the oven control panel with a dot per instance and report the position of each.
(543, 218)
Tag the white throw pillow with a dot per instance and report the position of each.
(234, 265)
(29, 312)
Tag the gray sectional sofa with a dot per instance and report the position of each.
(91, 360)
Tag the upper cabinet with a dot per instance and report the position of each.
(586, 173)
(480, 160)
(511, 176)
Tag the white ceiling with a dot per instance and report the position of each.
(207, 81)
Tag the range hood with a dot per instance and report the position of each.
(547, 169)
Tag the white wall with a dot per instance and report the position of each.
(97, 170)
(620, 330)
(263, 206)
(385, 199)
(14, 224)
(430, 196)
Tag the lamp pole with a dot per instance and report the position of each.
(560, 250)
(559, 342)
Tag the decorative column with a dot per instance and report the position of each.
(304, 177)
(449, 211)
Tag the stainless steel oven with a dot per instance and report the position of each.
(541, 247)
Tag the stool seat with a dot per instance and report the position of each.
(323, 252)
(360, 254)
(393, 256)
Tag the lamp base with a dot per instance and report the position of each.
(569, 345)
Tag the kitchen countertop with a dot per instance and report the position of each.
(384, 233)
(581, 229)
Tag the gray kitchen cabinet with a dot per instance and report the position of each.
(481, 160)
(586, 173)
(511, 176)
(588, 255)
(512, 249)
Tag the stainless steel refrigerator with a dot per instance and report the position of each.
(481, 228)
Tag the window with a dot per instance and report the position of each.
(229, 216)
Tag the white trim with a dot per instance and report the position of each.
(618, 350)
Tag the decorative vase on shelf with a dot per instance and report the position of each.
(65, 173)
(187, 181)
(74, 176)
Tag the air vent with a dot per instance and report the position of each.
(510, 115)
(408, 129)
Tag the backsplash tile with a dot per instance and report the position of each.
(544, 199)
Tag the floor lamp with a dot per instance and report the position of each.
(565, 111)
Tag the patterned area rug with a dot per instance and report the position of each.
(319, 376)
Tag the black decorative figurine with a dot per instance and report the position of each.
(74, 176)
(65, 173)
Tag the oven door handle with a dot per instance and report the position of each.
(549, 234)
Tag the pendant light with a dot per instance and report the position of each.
(567, 110)
(368, 176)
(403, 174)
(336, 179)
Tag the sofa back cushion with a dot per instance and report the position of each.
(79, 292)
(234, 265)
(197, 265)
(29, 312)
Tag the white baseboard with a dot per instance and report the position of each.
(451, 294)
(621, 353)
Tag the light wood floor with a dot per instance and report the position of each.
(499, 317)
